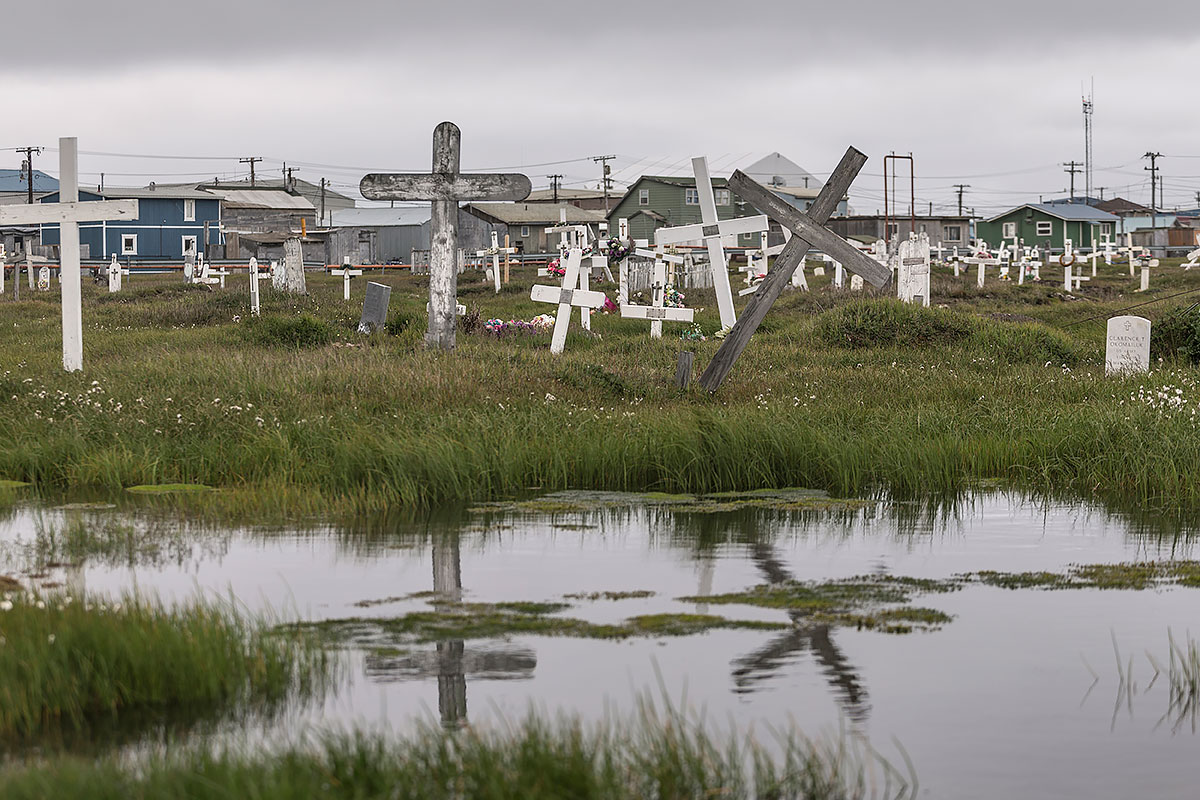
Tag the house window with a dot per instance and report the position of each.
(524, 231)
(1045, 228)
(1010, 231)
(189, 210)
(129, 244)
(1106, 229)
(722, 196)
(643, 197)
(189, 245)
(893, 229)
(691, 197)
(953, 233)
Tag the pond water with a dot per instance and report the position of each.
(1000, 702)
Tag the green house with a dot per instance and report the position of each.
(655, 202)
(1047, 225)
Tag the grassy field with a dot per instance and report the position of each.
(298, 414)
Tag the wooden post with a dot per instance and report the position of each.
(683, 370)
(68, 275)
(806, 227)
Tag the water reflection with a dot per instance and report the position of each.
(805, 636)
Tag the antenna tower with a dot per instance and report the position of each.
(1087, 133)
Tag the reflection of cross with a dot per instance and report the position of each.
(494, 251)
(68, 212)
(809, 231)
(656, 312)
(711, 230)
(566, 295)
(346, 274)
(445, 187)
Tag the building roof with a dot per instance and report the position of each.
(534, 213)
(261, 198)
(547, 195)
(379, 217)
(150, 192)
(1121, 207)
(14, 181)
(776, 170)
(682, 180)
(1065, 211)
(796, 192)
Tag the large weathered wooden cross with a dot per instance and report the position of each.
(712, 230)
(809, 231)
(444, 187)
(68, 212)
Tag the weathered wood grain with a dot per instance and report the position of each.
(51, 213)
(444, 186)
(683, 370)
(817, 236)
(781, 272)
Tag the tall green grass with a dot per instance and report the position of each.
(67, 664)
(865, 396)
(652, 756)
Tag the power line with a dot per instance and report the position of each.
(252, 160)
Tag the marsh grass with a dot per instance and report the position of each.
(67, 664)
(927, 402)
(655, 754)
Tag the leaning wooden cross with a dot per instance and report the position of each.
(445, 187)
(809, 231)
(68, 212)
(566, 296)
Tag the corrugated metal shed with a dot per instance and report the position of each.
(534, 213)
(262, 198)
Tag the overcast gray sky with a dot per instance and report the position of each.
(987, 94)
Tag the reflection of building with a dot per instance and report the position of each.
(452, 661)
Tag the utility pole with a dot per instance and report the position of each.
(251, 161)
(554, 180)
(1197, 199)
(1153, 170)
(1101, 189)
(605, 171)
(323, 182)
(1073, 167)
(29, 152)
(287, 177)
(961, 188)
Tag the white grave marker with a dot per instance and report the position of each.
(656, 312)
(1127, 347)
(494, 251)
(913, 285)
(711, 231)
(347, 273)
(254, 296)
(68, 213)
(115, 271)
(566, 296)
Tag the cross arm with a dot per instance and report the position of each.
(695, 233)
(668, 257)
(86, 211)
(445, 186)
(817, 235)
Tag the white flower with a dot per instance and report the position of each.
(41, 604)
(50, 638)
(6, 605)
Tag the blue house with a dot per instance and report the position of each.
(16, 182)
(170, 221)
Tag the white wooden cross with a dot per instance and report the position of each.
(566, 296)
(656, 312)
(1193, 260)
(982, 260)
(68, 212)
(1107, 244)
(254, 296)
(3, 265)
(711, 230)
(494, 251)
(956, 260)
(115, 271)
(347, 273)
(1071, 281)
(445, 187)
(623, 266)
(756, 266)
(939, 249)
(1145, 287)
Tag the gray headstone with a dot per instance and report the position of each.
(1127, 346)
(291, 277)
(375, 307)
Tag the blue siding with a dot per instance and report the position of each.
(159, 228)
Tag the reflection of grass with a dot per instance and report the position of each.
(661, 754)
(103, 539)
(482, 621)
(631, 595)
(64, 665)
(168, 488)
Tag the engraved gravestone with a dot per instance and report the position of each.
(375, 307)
(914, 270)
(1127, 345)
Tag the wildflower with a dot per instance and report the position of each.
(41, 604)
(6, 605)
(50, 638)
